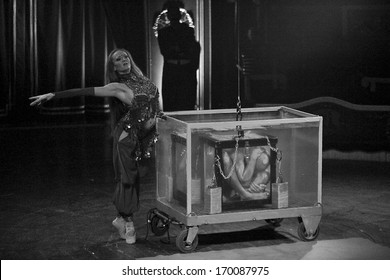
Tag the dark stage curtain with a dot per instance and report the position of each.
(6, 20)
(52, 45)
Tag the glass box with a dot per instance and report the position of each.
(212, 168)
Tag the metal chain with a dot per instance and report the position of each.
(217, 160)
(238, 113)
(269, 144)
(278, 158)
(280, 177)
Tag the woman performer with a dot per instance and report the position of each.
(134, 107)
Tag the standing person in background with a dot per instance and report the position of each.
(134, 107)
(181, 61)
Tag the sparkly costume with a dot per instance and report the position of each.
(145, 106)
(137, 144)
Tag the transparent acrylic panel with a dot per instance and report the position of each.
(169, 162)
(300, 161)
(265, 165)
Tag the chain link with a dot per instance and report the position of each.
(217, 160)
(269, 144)
(279, 156)
(238, 113)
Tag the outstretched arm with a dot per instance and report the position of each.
(118, 90)
(38, 100)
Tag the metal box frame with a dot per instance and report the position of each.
(186, 122)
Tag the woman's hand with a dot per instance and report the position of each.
(39, 99)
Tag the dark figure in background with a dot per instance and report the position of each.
(134, 106)
(181, 60)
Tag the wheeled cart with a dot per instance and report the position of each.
(214, 168)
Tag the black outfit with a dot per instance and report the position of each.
(136, 145)
(181, 60)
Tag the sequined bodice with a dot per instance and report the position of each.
(140, 115)
(145, 105)
(140, 85)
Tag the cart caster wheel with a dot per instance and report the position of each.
(182, 245)
(274, 222)
(158, 226)
(304, 236)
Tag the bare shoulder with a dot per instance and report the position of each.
(120, 91)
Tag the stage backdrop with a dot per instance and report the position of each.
(325, 57)
(51, 45)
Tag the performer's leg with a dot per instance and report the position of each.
(126, 195)
(127, 200)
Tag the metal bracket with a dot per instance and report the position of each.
(311, 223)
(192, 232)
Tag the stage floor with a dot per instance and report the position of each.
(57, 185)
